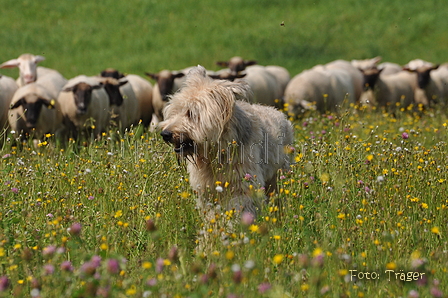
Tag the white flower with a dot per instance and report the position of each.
(219, 188)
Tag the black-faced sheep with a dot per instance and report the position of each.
(137, 98)
(236, 64)
(34, 107)
(85, 105)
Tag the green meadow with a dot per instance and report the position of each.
(364, 210)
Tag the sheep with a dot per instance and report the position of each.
(167, 82)
(282, 76)
(321, 88)
(390, 90)
(27, 64)
(7, 89)
(236, 64)
(137, 95)
(366, 63)
(84, 105)
(34, 106)
(416, 63)
(433, 80)
(355, 74)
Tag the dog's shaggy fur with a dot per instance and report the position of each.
(233, 149)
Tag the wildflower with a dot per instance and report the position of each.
(173, 254)
(6, 155)
(405, 135)
(4, 283)
(253, 228)
(91, 198)
(435, 292)
(380, 179)
(49, 251)
(263, 287)
(146, 265)
(413, 294)
(150, 225)
(219, 188)
(159, 265)
(15, 190)
(249, 264)
(230, 255)
(435, 230)
(113, 267)
(67, 266)
(151, 282)
(278, 259)
(48, 269)
(247, 177)
(391, 266)
(75, 229)
(247, 218)
(238, 276)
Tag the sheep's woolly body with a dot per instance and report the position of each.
(7, 89)
(231, 138)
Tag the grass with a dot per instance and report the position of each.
(118, 218)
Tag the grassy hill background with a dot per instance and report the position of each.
(78, 36)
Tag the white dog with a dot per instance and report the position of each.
(233, 149)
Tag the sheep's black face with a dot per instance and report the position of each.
(31, 108)
(423, 78)
(83, 95)
(113, 91)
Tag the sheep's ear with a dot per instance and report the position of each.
(179, 75)
(215, 76)
(377, 59)
(16, 104)
(38, 58)
(250, 62)
(153, 76)
(239, 75)
(68, 89)
(10, 64)
(122, 82)
(222, 63)
(409, 69)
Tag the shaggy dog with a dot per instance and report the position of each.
(233, 149)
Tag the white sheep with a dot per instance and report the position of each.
(366, 63)
(7, 89)
(355, 74)
(85, 105)
(28, 70)
(34, 107)
(320, 88)
(390, 90)
(137, 99)
(282, 75)
(416, 63)
(433, 80)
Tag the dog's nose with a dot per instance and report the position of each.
(166, 135)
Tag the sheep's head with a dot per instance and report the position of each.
(82, 93)
(165, 81)
(32, 105)
(112, 88)
(236, 64)
(112, 73)
(423, 74)
(27, 65)
(370, 77)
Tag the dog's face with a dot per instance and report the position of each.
(199, 112)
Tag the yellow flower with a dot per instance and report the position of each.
(391, 266)
(318, 251)
(435, 230)
(146, 265)
(253, 228)
(118, 214)
(230, 255)
(277, 237)
(343, 272)
(278, 259)
(370, 157)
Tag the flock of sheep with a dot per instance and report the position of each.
(42, 101)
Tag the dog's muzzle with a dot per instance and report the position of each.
(182, 145)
